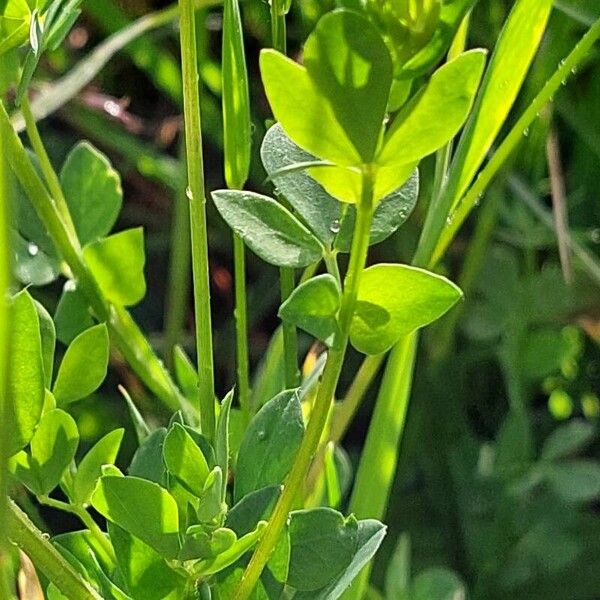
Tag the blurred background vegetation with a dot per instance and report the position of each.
(499, 477)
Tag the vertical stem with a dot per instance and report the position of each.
(48, 171)
(199, 236)
(241, 323)
(322, 405)
(6, 588)
(179, 268)
(290, 336)
(278, 27)
(45, 556)
(380, 455)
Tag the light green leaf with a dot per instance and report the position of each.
(574, 481)
(141, 508)
(348, 61)
(323, 544)
(25, 369)
(93, 192)
(72, 315)
(48, 336)
(436, 113)
(146, 574)
(436, 584)
(313, 306)
(568, 439)
(31, 265)
(268, 228)
(148, 462)
(89, 470)
(222, 440)
(315, 128)
(394, 300)
(185, 373)
(84, 366)
(514, 52)
(269, 445)
(184, 460)
(117, 262)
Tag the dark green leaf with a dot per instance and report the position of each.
(270, 444)
(72, 316)
(313, 306)
(117, 262)
(253, 507)
(574, 481)
(32, 266)
(48, 335)
(147, 462)
(84, 366)
(268, 228)
(568, 439)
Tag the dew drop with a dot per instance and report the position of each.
(449, 220)
(574, 70)
(70, 286)
(262, 435)
(526, 132)
(335, 226)
(32, 249)
(188, 193)
(46, 536)
(563, 82)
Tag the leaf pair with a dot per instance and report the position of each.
(393, 300)
(344, 89)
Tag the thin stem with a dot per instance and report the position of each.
(290, 336)
(125, 334)
(179, 269)
(6, 587)
(345, 411)
(46, 557)
(278, 26)
(241, 323)
(84, 517)
(325, 394)
(199, 236)
(512, 140)
(48, 171)
(379, 458)
(330, 258)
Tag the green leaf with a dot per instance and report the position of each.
(568, 439)
(222, 440)
(83, 367)
(25, 370)
(350, 65)
(14, 24)
(451, 16)
(323, 544)
(315, 128)
(184, 460)
(141, 508)
(48, 336)
(146, 574)
(31, 265)
(93, 192)
(397, 573)
(394, 300)
(89, 470)
(369, 537)
(313, 306)
(270, 444)
(269, 229)
(436, 113)
(72, 316)
(148, 462)
(253, 507)
(185, 373)
(117, 262)
(237, 133)
(514, 52)
(53, 447)
(574, 481)
(436, 584)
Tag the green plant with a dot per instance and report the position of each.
(241, 498)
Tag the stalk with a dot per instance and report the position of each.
(45, 556)
(325, 394)
(125, 334)
(278, 26)
(241, 323)
(6, 586)
(197, 197)
(379, 458)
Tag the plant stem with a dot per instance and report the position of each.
(48, 171)
(345, 411)
(84, 517)
(278, 27)
(45, 556)
(325, 394)
(378, 460)
(125, 334)
(290, 336)
(179, 269)
(241, 324)
(512, 140)
(199, 236)
(6, 587)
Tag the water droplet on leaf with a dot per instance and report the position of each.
(335, 226)
(32, 249)
(188, 193)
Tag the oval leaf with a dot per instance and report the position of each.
(394, 300)
(268, 228)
